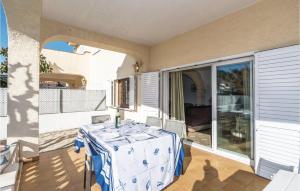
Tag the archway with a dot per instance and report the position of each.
(200, 87)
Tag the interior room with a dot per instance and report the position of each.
(196, 111)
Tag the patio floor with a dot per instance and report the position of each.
(63, 170)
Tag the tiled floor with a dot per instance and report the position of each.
(58, 139)
(63, 170)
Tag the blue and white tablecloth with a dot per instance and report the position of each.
(133, 157)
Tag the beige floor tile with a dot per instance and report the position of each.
(63, 170)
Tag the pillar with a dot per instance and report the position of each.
(23, 19)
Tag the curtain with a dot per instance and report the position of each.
(177, 99)
(246, 87)
(244, 121)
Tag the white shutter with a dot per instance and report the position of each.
(277, 109)
(149, 94)
(132, 93)
(109, 93)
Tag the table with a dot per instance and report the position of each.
(284, 181)
(134, 156)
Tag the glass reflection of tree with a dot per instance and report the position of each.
(231, 80)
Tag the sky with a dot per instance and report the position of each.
(3, 30)
(58, 45)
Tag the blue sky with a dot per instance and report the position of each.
(58, 45)
(3, 30)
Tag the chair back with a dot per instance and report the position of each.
(268, 169)
(299, 167)
(176, 126)
(154, 121)
(100, 119)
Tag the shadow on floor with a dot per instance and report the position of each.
(238, 181)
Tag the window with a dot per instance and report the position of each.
(122, 93)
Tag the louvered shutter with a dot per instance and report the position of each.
(109, 92)
(132, 93)
(277, 106)
(149, 95)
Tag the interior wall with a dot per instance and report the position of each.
(206, 76)
(190, 96)
(267, 24)
(201, 78)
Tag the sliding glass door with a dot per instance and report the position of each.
(234, 107)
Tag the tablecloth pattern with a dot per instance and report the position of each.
(132, 157)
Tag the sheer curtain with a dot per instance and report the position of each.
(177, 99)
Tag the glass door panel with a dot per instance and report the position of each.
(234, 107)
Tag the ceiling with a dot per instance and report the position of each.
(143, 21)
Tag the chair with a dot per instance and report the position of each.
(88, 165)
(154, 121)
(299, 167)
(100, 119)
(268, 169)
(176, 126)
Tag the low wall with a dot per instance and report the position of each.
(3, 127)
(63, 121)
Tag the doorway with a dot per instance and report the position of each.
(197, 91)
(218, 106)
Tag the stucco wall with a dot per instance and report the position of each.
(23, 19)
(265, 25)
(98, 69)
(53, 31)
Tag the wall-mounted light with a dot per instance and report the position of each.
(137, 66)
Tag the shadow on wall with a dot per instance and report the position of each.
(56, 68)
(126, 68)
(21, 108)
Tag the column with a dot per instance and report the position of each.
(23, 19)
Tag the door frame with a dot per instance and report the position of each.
(214, 107)
(164, 102)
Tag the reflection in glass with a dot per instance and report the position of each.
(234, 110)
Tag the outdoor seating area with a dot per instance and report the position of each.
(146, 95)
(64, 169)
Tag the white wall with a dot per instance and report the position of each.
(98, 68)
(206, 76)
(3, 127)
(60, 121)
(189, 96)
(203, 77)
(63, 121)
